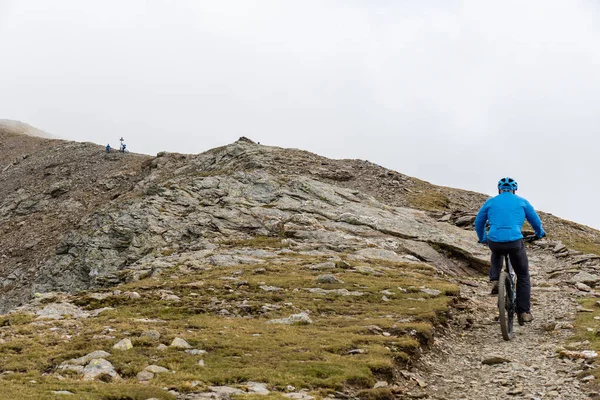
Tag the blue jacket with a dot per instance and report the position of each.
(506, 214)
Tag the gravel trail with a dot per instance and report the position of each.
(456, 368)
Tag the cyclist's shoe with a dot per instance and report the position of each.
(494, 288)
(525, 317)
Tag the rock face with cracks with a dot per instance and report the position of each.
(129, 239)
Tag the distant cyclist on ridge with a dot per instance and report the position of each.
(506, 214)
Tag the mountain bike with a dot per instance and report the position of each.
(507, 297)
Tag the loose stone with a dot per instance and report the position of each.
(124, 344)
(179, 343)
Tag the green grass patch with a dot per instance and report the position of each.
(228, 316)
(424, 196)
(257, 242)
(16, 319)
(587, 320)
(574, 236)
(43, 388)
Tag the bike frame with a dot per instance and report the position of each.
(511, 277)
(509, 269)
(507, 299)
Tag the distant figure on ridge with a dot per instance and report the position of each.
(506, 214)
(108, 148)
(123, 145)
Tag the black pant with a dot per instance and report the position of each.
(518, 258)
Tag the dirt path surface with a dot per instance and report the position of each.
(533, 371)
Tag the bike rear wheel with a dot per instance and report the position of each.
(506, 306)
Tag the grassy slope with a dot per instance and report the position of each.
(238, 349)
(588, 328)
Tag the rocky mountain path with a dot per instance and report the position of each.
(476, 363)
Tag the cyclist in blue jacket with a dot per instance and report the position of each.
(506, 214)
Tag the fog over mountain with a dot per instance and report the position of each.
(456, 93)
(7, 125)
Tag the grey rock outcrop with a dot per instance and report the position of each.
(123, 345)
(156, 369)
(48, 188)
(60, 310)
(299, 319)
(585, 277)
(91, 356)
(138, 238)
(179, 343)
(328, 278)
(99, 368)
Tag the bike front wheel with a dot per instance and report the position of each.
(506, 306)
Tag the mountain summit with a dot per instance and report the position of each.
(18, 127)
(272, 268)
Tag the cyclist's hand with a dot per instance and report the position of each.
(533, 238)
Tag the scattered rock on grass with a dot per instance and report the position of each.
(366, 270)
(299, 396)
(144, 375)
(341, 292)
(124, 344)
(323, 266)
(99, 311)
(431, 292)
(295, 319)
(357, 351)
(99, 368)
(70, 367)
(87, 358)
(170, 297)
(267, 288)
(225, 391)
(257, 387)
(179, 343)
(156, 369)
(328, 278)
(99, 296)
(151, 334)
(195, 352)
(60, 310)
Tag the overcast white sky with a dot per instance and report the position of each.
(459, 93)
